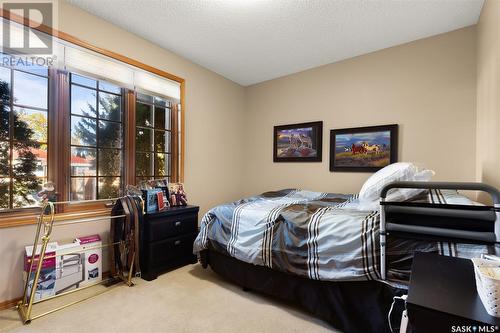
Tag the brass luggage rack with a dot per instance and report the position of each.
(46, 220)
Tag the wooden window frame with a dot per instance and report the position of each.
(172, 159)
(12, 105)
(59, 116)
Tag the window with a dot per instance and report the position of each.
(96, 139)
(97, 112)
(23, 135)
(153, 137)
(82, 124)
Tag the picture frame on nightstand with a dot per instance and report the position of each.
(151, 199)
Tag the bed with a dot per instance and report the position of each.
(320, 250)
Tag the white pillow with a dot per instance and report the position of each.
(369, 195)
(402, 194)
(392, 173)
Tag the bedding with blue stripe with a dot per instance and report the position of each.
(321, 236)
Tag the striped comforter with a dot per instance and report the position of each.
(322, 236)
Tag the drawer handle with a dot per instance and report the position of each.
(177, 223)
(177, 242)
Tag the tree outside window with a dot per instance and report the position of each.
(23, 136)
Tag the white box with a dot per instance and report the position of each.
(69, 266)
(93, 258)
(47, 279)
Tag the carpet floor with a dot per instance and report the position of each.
(189, 299)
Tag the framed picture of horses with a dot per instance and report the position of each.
(298, 142)
(363, 149)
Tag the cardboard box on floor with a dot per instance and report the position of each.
(93, 258)
(72, 265)
(47, 281)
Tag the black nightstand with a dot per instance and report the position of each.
(167, 240)
(443, 297)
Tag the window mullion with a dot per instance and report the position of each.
(58, 134)
(129, 144)
(97, 145)
(174, 152)
(11, 140)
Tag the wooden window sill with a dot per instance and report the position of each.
(29, 219)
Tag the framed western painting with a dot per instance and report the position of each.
(363, 149)
(298, 142)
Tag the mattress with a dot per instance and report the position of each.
(321, 236)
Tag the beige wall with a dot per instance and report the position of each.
(488, 94)
(214, 122)
(427, 87)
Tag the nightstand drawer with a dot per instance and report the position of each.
(171, 250)
(171, 226)
(167, 240)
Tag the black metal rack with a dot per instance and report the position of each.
(441, 222)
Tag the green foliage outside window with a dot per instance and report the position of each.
(19, 178)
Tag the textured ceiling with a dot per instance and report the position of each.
(250, 41)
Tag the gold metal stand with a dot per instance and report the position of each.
(46, 220)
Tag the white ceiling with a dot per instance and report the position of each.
(250, 41)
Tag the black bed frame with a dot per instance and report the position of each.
(348, 306)
(364, 306)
